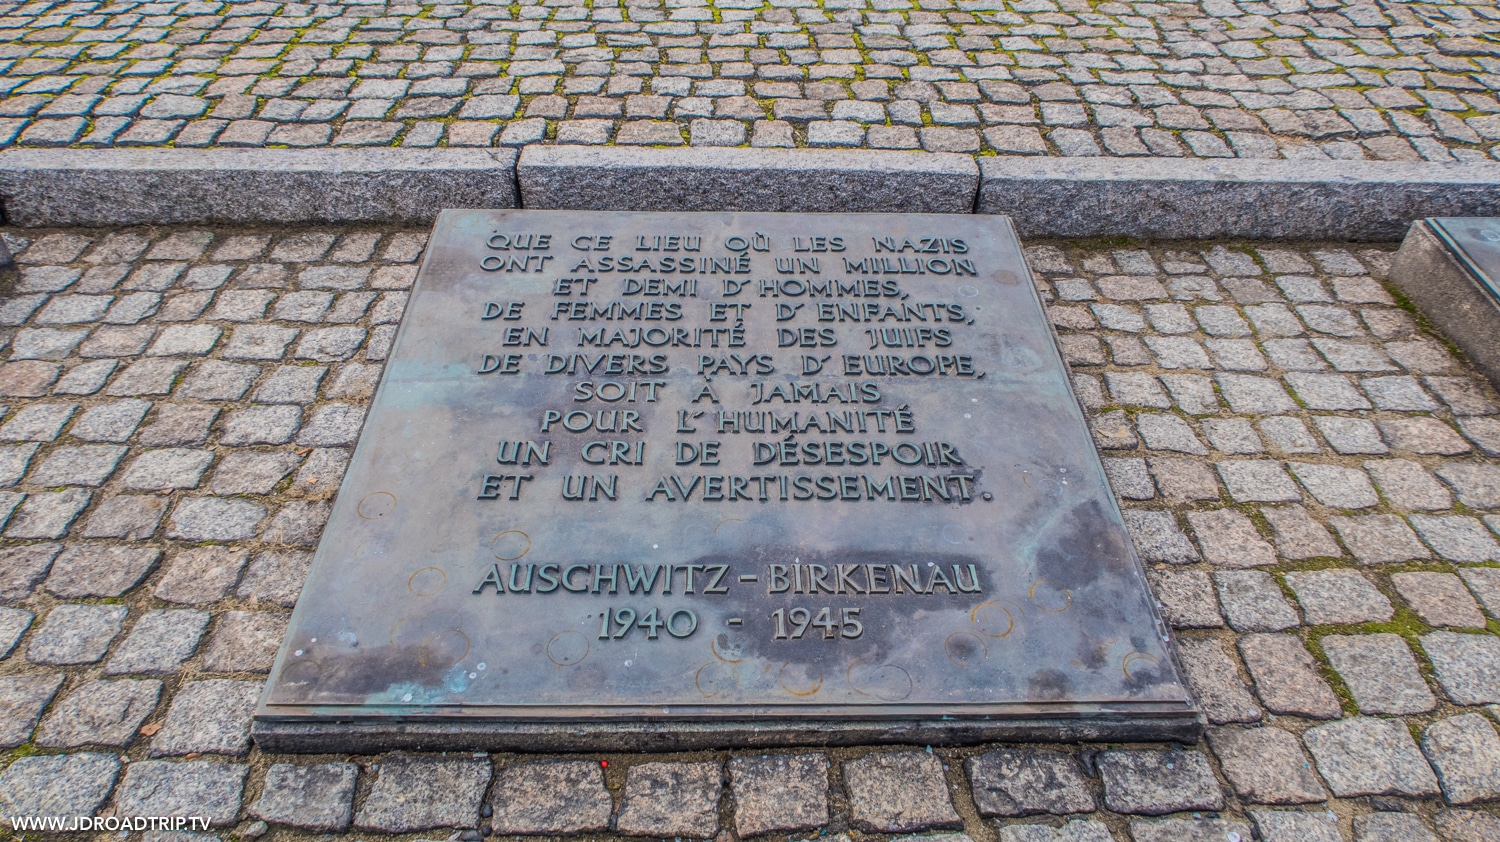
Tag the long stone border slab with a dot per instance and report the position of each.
(800, 180)
(165, 186)
(1199, 199)
(1148, 198)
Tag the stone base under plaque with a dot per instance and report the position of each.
(677, 735)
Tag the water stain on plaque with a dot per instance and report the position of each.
(416, 665)
(1048, 685)
(1082, 547)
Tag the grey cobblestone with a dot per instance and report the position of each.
(315, 797)
(22, 699)
(23, 567)
(208, 717)
(1338, 597)
(779, 793)
(1022, 783)
(1484, 582)
(59, 785)
(1297, 535)
(105, 713)
(1467, 825)
(1440, 599)
(13, 623)
(75, 634)
(1155, 783)
(159, 643)
(1187, 830)
(1266, 766)
(201, 575)
(419, 793)
(1229, 539)
(671, 799)
(1465, 752)
(245, 641)
(1215, 680)
(1456, 538)
(1380, 672)
(1129, 82)
(1363, 756)
(215, 519)
(1286, 677)
(1253, 601)
(200, 788)
(1391, 827)
(1379, 538)
(1186, 598)
(84, 570)
(1467, 666)
(1233, 436)
(897, 792)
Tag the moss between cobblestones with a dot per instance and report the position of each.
(1335, 681)
(26, 749)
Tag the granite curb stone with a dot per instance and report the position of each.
(162, 186)
(1187, 199)
(799, 180)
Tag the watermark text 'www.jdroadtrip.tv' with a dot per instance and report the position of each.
(86, 824)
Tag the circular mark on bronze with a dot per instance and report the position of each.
(713, 679)
(955, 534)
(800, 686)
(300, 672)
(1134, 657)
(966, 649)
(726, 648)
(510, 545)
(1005, 277)
(992, 619)
(886, 682)
(377, 505)
(444, 648)
(394, 461)
(427, 581)
(1049, 599)
(968, 291)
(403, 627)
(567, 648)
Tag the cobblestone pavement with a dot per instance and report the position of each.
(1213, 78)
(1311, 476)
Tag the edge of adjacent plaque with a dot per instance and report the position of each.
(1438, 225)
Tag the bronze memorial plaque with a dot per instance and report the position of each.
(670, 480)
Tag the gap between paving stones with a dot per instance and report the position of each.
(1046, 197)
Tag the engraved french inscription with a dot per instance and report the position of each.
(706, 467)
